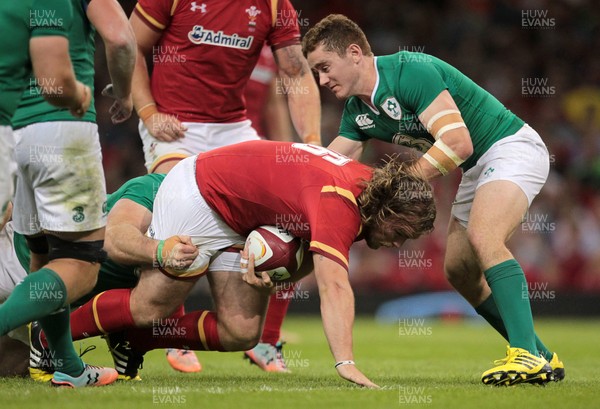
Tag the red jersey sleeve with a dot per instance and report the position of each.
(336, 225)
(285, 30)
(156, 13)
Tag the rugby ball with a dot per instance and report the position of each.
(275, 251)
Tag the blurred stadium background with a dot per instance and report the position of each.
(540, 58)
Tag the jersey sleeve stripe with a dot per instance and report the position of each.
(274, 5)
(340, 191)
(148, 17)
(201, 332)
(174, 6)
(330, 250)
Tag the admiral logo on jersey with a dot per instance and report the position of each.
(199, 35)
(364, 122)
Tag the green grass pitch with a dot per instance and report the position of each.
(429, 363)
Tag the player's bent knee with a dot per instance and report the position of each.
(147, 312)
(484, 242)
(454, 277)
(240, 337)
(453, 268)
(239, 344)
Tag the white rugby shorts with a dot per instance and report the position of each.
(180, 209)
(521, 158)
(200, 137)
(60, 179)
(7, 165)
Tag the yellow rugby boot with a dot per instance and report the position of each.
(558, 368)
(519, 366)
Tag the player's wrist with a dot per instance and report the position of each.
(159, 252)
(343, 363)
(81, 96)
(313, 139)
(147, 111)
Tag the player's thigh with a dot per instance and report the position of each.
(91, 235)
(157, 296)
(494, 195)
(240, 307)
(498, 208)
(60, 179)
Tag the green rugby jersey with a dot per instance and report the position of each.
(142, 191)
(20, 21)
(407, 83)
(33, 107)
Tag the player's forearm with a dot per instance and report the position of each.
(121, 57)
(142, 93)
(279, 125)
(425, 169)
(305, 107)
(447, 154)
(337, 312)
(73, 92)
(125, 244)
(119, 41)
(347, 147)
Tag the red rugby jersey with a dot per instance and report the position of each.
(208, 49)
(308, 190)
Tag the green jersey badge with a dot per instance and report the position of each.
(392, 108)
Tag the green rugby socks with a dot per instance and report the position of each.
(39, 294)
(489, 311)
(58, 334)
(507, 282)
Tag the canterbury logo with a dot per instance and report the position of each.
(364, 122)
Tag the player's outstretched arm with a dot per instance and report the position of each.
(337, 312)
(347, 147)
(126, 243)
(50, 60)
(119, 41)
(303, 94)
(453, 144)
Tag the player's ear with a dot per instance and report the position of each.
(355, 52)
